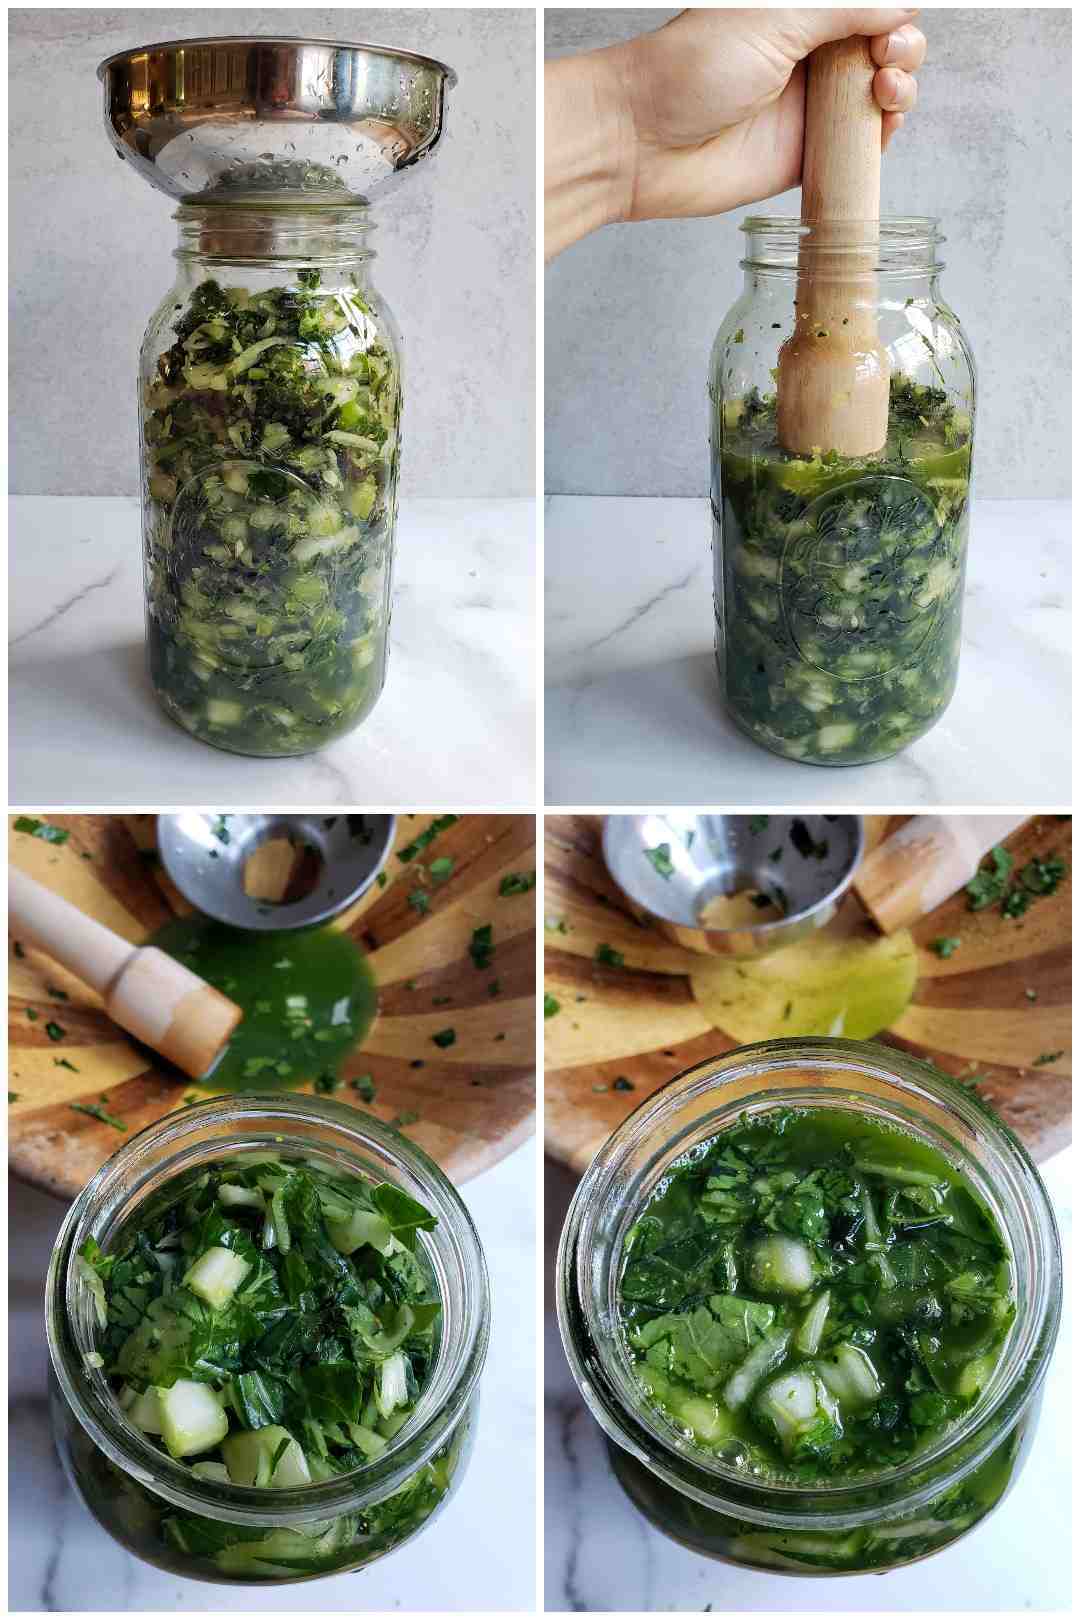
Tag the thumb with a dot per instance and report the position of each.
(813, 27)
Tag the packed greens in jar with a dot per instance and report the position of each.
(839, 580)
(270, 437)
(271, 1326)
(816, 1298)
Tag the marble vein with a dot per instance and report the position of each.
(65, 607)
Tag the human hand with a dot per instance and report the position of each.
(703, 115)
(715, 100)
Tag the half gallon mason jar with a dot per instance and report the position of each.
(160, 1509)
(270, 385)
(713, 1500)
(839, 580)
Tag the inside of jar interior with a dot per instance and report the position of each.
(816, 1287)
(265, 1318)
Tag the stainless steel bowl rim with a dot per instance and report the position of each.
(278, 39)
(838, 890)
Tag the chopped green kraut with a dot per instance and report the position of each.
(271, 1326)
(839, 581)
(270, 440)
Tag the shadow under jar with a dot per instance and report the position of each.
(270, 390)
(839, 580)
(717, 1499)
(202, 1527)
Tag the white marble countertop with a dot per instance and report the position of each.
(455, 724)
(633, 711)
(479, 1555)
(600, 1554)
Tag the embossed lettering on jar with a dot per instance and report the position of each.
(839, 580)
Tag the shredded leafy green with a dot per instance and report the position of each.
(273, 1324)
(813, 1293)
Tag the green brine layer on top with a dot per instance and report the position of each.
(270, 444)
(814, 1296)
(839, 581)
(273, 1326)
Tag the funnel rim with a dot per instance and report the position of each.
(448, 72)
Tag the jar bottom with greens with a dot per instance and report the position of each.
(862, 1549)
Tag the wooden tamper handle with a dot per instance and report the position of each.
(911, 873)
(833, 382)
(153, 997)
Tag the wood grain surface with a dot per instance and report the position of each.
(475, 1100)
(639, 1023)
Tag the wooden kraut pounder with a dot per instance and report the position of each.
(153, 997)
(931, 857)
(833, 382)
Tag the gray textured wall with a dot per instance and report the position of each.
(631, 312)
(91, 249)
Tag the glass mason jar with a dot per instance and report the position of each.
(159, 1509)
(839, 580)
(876, 1522)
(270, 395)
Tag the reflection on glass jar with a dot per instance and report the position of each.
(270, 387)
(865, 1478)
(259, 1502)
(839, 579)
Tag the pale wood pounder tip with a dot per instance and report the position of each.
(146, 992)
(833, 380)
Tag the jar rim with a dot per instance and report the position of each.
(594, 1347)
(162, 1151)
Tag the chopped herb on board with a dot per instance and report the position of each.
(1047, 1057)
(445, 1037)
(96, 1111)
(420, 902)
(606, 956)
(621, 1083)
(42, 829)
(364, 1086)
(62, 1063)
(55, 1032)
(989, 881)
(12, 1096)
(944, 947)
(428, 836)
(551, 1006)
(482, 946)
(441, 869)
(31, 1013)
(517, 883)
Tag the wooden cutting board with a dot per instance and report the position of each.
(475, 1100)
(640, 1022)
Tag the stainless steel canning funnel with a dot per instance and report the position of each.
(224, 119)
(804, 863)
(206, 856)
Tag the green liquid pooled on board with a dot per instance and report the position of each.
(308, 996)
